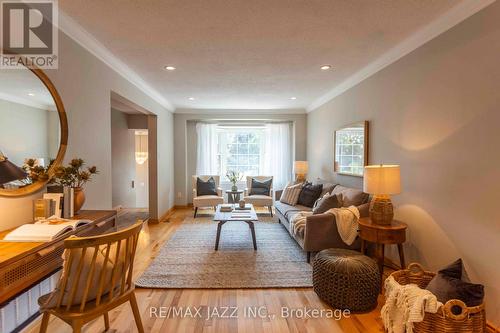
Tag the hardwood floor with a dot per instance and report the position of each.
(155, 303)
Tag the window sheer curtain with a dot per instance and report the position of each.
(278, 155)
(206, 156)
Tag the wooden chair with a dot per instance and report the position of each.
(118, 250)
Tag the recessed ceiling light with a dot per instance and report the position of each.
(31, 94)
(191, 98)
(170, 68)
(293, 98)
(325, 67)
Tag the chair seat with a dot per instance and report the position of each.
(257, 199)
(207, 200)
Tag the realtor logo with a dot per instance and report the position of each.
(29, 34)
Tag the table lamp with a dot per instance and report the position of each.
(301, 168)
(9, 171)
(382, 181)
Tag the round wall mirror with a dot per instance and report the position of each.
(33, 131)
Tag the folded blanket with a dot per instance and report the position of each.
(347, 222)
(345, 217)
(405, 305)
(298, 222)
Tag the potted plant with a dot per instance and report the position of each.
(75, 175)
(234, 177)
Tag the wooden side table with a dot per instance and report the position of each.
(381, 235)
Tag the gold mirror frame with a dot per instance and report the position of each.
(63, 144)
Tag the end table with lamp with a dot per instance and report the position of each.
(380, 228)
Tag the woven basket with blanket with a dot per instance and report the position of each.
(454, 316)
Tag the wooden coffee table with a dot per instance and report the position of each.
(223, 217)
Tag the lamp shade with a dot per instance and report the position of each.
(382, 179)
(301, 167)
(9, 171)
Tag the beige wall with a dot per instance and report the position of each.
(85, 85)
(436, 113)
(185, 139)
(24, 132)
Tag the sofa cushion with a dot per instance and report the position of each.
(327, 188)
(261, 188)
(290, 194)
(327, 202)
(259, 200)
(309, 194)
(285, 209)
(351, 196)
(364, 210)
(206, 188)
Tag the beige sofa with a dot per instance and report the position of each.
(321, 230)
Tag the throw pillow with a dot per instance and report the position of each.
(290, 194)
(206, 188)
(309, 194)
(448, 284)
(261, 188)
(351, 196)
(327, 202)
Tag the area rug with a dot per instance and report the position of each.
(188, 258)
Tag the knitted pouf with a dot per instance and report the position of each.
(346, 279)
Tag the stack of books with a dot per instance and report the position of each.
(226, 208)
(240, 215)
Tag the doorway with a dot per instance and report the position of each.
(131, 159)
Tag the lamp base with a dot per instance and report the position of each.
(300, 178)
(381, 210)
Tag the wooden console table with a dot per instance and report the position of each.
(23, 264)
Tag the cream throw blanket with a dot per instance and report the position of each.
(405, 305)
(345, 217)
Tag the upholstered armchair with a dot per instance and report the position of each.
(259, 199)
(206, 200)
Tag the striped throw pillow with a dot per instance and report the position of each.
(290, 194)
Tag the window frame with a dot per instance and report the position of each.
(223, 152)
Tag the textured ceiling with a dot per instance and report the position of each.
(242, 54)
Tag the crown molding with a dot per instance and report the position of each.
(76, 32)
(443, 23)
(239, 111)
(26, 102)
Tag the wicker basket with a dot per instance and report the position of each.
(468, 320)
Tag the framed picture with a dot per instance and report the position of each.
(351, 149)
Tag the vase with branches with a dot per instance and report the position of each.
(75, 175)
(234, 177)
